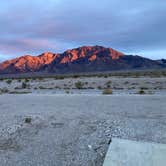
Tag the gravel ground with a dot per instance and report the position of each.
(75, 130)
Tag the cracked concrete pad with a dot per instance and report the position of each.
(128, 153)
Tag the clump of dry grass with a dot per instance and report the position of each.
(107, 91)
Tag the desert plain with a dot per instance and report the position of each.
(70, 121)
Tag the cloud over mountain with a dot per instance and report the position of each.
(36, 26)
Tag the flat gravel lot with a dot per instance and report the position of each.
(75, 130)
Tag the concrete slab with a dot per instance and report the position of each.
(131, 153)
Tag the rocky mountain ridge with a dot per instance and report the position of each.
(82, 59)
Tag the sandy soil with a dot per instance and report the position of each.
(74, 130)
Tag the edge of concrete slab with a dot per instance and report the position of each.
(123, 152)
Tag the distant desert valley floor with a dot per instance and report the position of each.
(69, 120)
(118, 83)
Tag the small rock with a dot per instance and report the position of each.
(109, 141)
(90, 146)
(107, 131)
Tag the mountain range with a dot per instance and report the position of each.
(82, 59)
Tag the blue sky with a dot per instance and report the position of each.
(130, 26)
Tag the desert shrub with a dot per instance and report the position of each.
(17, 87)
(99, 75)
(26, 80)
(4, 90)
(59, 77)
(57, 87)
(141, 92)
(40, 78)
(42, 87)
(9, 81)
(79, 85)
(28, 120)
(89, 87)
(75, 76)
(144, 88)
(24, 85)
(107, 91)
(18, 92)
(108, 84)
(127, 82)
(99, 87)
(67, 91)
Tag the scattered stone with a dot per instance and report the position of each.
(90, 146)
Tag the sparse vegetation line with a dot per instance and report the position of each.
(133, 73)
